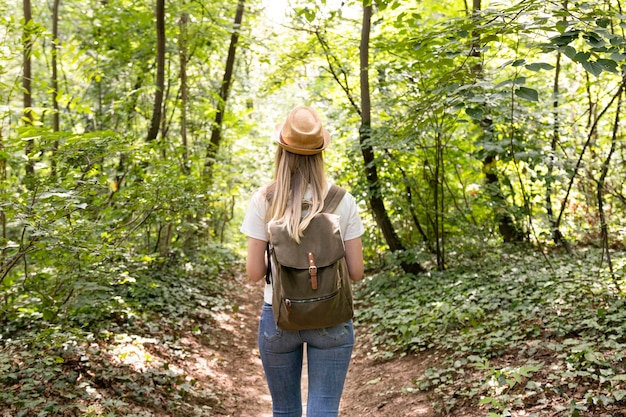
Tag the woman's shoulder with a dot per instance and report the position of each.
(348, 200)
(259, 197)
(264, 192)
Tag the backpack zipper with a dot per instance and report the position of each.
(289, 301)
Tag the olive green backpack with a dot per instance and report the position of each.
(311, 285)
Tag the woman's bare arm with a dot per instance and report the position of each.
(354, 258)
(256, 263)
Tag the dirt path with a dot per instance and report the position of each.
(231, 360)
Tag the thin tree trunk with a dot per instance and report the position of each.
(414, 217)
(27, 77)
(55, 66)
(375, 193)
(182, 52)
(166, 99)
(438, 199)
(160, 74)
(216, 131)
(590, 138)
(56, 116)
(557, 236)
(3, 216)
(600, 194)
(506, 224)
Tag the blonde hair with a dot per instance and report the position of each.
(293, 173)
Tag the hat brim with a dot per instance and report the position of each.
(300, 151)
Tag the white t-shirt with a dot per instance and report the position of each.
(254, 225)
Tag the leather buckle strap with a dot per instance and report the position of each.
(312, 271)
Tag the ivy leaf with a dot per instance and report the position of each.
(619, 395)
(527, 94)
(538, 66)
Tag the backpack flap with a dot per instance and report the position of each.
(322, 238)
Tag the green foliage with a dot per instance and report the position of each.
(507, 331)
(76, 224)
(508, 112)
(101, 358)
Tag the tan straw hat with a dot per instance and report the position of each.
(302, 133)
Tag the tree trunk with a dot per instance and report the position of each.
(506, 225)
(27, 77)
(375, 193)
(55, 64)
(3, 178)
(590, 138)
(438, 200)
(604, 227)
(160, 75)
(56, 116)
(216, 131)
(182, 52)
(557, 236)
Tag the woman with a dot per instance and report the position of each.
(298, 192)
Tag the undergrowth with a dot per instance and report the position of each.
(120, 350)
(513, 331)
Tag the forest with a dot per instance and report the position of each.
(482, 139)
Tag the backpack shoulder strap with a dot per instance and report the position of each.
(269, 192)
(333, 198)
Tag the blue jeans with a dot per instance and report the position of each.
(328, 357)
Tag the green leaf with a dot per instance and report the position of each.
(486, 400)
(603, 22)
(503, 83)
(489, 38)
(619, 395)
(618, 56)
(593, 67)
(594, 39)
(518, 62)
(582, 57)
(608, 65)
(562, 25)
(308, 13)
(527, 370)
(474, 113)
(519, 81)
(527, 94)
(538, 66)
(569, 52)
(565, 38)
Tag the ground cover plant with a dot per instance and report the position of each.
(122, 357)
(508, 331)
